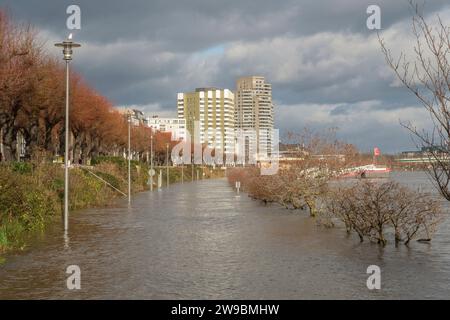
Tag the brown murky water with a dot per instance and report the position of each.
(202, 241)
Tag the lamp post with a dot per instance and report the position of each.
(182, 172)
(129, 156)
(167, 164)
(151, 161)
(67, 46)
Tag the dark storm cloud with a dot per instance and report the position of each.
(196, 24)
(315, 53)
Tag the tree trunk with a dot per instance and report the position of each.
(9, 142)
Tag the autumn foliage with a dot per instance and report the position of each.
(32, 106)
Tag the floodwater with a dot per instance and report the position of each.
(201, 240)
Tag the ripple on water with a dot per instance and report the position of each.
(200, 240)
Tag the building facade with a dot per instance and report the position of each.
(254, 112)
(177, 127)
(213, 110)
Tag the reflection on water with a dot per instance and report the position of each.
(202, 241)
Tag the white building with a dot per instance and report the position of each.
(213, 110)
(254, 112)
(174, 125)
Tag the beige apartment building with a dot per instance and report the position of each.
(254, 112)
(213, 109)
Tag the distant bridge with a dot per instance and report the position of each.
(422, 160)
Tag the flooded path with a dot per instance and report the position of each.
(201, 241)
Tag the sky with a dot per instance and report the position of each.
(326, 68)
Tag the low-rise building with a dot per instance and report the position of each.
(177, 127)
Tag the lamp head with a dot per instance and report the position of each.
(68, 46)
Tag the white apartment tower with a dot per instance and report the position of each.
(254, 111)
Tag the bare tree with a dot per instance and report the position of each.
(373, 210)
(300, 184)
(427, 76)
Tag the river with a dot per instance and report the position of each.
(201, 240)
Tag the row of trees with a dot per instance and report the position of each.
(373, 210)
(300, 183)
(32, 100)
(370, 209)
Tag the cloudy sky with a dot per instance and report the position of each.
(325, 66)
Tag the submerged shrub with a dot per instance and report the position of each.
(372, 210)
(24, 206)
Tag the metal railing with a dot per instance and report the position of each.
(106, 182)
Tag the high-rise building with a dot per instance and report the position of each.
(213, 108)
(254, 112)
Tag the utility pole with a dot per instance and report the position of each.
(67, 46)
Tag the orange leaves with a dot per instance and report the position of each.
(32, 103)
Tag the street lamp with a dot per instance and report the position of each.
(192, 170)
(167, 164)
(151, 161)
(129, 156)
(67, 46)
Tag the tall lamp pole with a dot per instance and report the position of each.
(167, 164)
(129, 157)
(67, 46)
(182, 172)
(151, 161)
